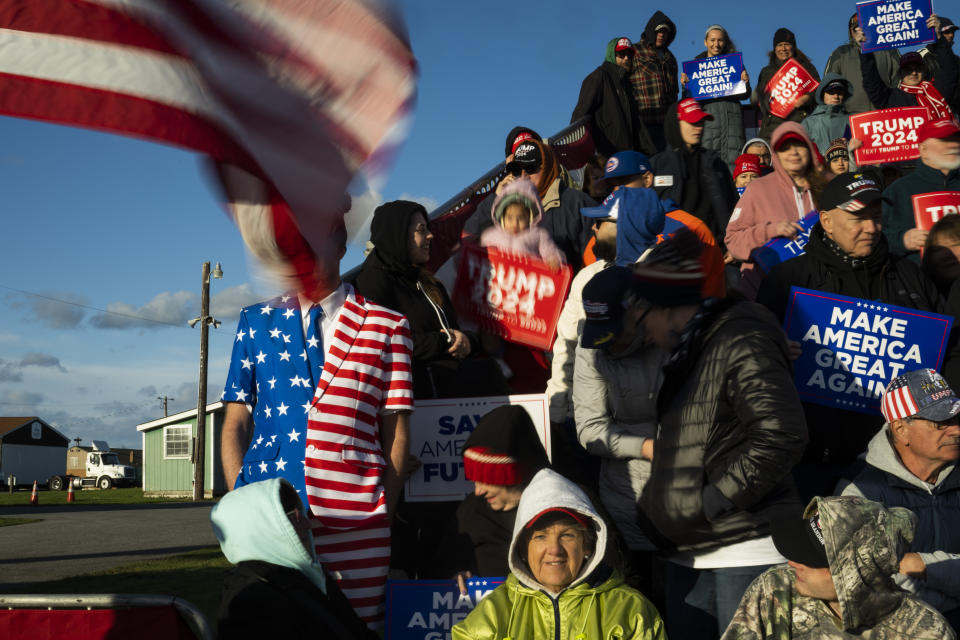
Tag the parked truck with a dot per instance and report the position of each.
(99, 468)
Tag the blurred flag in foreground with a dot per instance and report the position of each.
(288, 98)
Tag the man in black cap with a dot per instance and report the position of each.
(615, 384)
(915, 88)
(847, 253)
(842, 553)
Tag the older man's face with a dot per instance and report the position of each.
(942, 154)
(858, 233)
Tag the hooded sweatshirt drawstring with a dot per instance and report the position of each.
(583, 628)
(441, 316)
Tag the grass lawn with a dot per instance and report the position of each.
(196, 576)
(133, 495)
(9, 522)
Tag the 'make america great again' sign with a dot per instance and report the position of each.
(852, 348)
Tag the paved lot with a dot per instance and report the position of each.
(77, 539)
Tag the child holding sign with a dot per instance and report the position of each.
(516, 215)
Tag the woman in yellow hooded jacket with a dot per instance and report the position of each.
(559, 587)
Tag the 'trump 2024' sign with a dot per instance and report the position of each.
(852, 348)
(510, 295)
(928, 208)
(788, 84)
(888, 135)
(895, 23)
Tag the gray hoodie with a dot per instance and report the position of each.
(937, 506)
(828, 122)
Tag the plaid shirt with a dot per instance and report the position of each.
(654, 80)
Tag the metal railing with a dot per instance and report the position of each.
(188, 611)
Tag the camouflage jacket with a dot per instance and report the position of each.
(864, 543)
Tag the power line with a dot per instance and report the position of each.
(92, 308)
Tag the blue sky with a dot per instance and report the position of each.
(122, 225)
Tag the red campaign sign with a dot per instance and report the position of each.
(928, 208)
(788, 84)
(888, 135)
(514, 296)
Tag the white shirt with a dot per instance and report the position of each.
(749, 553)
(332, 306)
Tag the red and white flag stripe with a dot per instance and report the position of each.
(898, 404)
(290, 96)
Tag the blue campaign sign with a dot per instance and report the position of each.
(427, 609)
(852, 348)
(715, 77)
(781, 249)
(895, 23)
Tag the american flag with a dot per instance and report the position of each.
(898, 402)
(288, 97)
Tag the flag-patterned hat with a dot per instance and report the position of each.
(919, 394)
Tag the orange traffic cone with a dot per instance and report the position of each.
(70, 492)
(34, 498)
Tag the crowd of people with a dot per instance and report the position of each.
(688, 490)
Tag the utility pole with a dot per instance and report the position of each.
(78, 441)
(205, 320)
(163, 401)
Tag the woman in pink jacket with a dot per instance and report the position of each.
(772, 206)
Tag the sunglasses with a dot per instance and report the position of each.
(516, 169)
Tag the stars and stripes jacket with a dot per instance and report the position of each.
(323, 437)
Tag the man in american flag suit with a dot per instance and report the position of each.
(319, 392)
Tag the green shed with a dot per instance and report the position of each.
(168, 454)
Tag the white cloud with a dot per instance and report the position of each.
(165, 308)
(226, 304)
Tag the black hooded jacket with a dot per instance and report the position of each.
(730, 431)
(699, 181)
(880, 276)
(389, 278)
(607, 98)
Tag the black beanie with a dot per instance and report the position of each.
(784, 35)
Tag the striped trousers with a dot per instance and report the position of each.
(359, 559)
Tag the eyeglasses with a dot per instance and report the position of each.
(941, 425)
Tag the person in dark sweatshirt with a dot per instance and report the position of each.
(695, 178)
(654, 75)
(606, 97)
